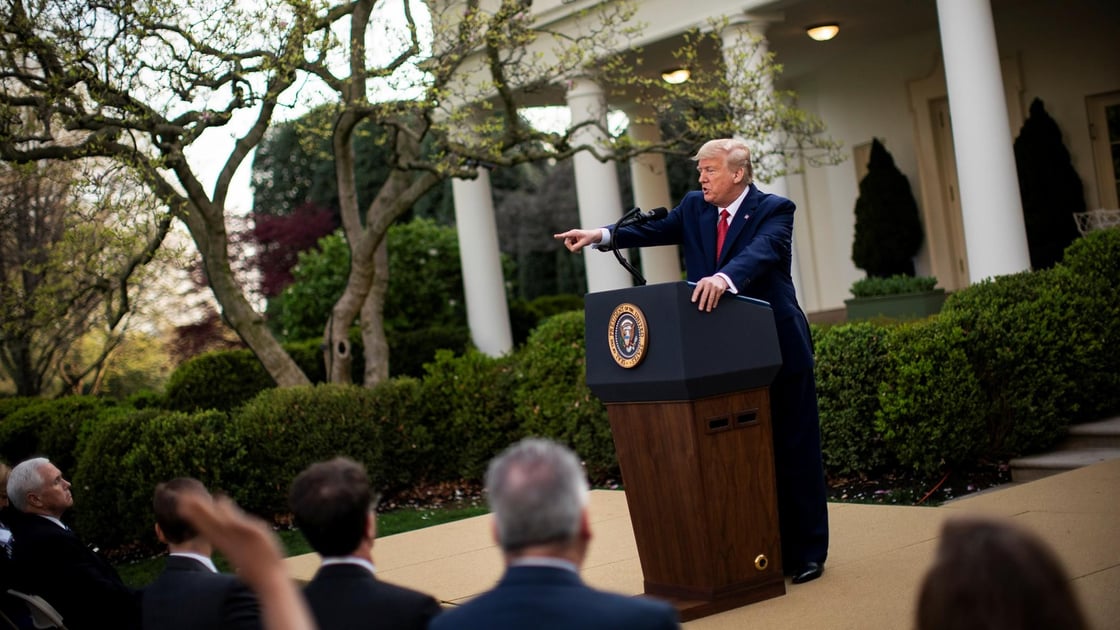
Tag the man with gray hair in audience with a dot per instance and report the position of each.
(51, 561)
(538, 494)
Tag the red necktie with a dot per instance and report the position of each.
(721, 232)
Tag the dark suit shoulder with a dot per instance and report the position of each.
(345, 597)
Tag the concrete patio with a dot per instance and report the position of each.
(877, 559)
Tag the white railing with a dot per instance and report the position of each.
(1098, 219)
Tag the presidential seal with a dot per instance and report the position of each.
(628, 335)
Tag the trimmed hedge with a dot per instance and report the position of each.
(129, 452)
(219, 380)
(851, 362)
(553, 399)
(50, 428)
(469, 412)
(1023, 347)
(931, 406)
(286, 429)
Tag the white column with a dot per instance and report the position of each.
(651, 190)
(749, 37)
(994, 234)
(483, 284)
(597, 189)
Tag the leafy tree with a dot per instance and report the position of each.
(279, 238)
(1050, 188)
(888, 228)
(73, 240)
(140, 83)
(425, 282)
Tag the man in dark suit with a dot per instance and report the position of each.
(190, 593)
(334, 506)
(737, 238)
(538, 494)
(51, 561)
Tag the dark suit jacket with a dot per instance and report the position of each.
(189, 595)
(347, 596)
(547, 598)
(85, 589)
(757, 256)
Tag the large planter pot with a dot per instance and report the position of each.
(900, 306)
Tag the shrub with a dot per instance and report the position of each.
(286, 429)
(129, 452)
(410, 350)
(10, 405)
(552, 398)
(1022, 344)
(851, 363)
(470, 409)
(51, 428)
(931, 406)
(893, 285)
(399, 408)
(888, 230)
(1090, 274)
(219, 380)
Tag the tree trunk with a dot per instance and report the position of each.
(374, 343)
(209, 233)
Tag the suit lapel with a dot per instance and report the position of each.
(709, 214)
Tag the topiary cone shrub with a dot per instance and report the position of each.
(888, 230)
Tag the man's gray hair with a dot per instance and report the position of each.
(735, 152)
(25, 478)
(537, 491)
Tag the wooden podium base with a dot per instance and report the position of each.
(689, 609)
(699, 480)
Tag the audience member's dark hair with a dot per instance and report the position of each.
(165, 503)
(331, 501)
(993, 575)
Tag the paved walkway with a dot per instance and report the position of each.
(877, 559)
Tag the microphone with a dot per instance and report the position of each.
(634, 216)
(640, 217)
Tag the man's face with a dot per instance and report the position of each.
(720, 184)
(54, 497)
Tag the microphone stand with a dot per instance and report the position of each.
(626, 218)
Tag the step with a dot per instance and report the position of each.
(1101, 434)
(1034, 467)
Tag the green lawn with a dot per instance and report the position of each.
(140, 573)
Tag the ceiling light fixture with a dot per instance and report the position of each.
(823, 32)
(675, 76)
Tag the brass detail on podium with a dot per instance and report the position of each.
(628, 335)
(761, 562)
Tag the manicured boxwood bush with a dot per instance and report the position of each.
(931, 405)
(553, 400)
(874, 286)
(129, 452)
(469, 411)
(219, 380)
(410, 350)
(1023, 346)
(1089, 275)
(851, 363)
(50, 428)
(286, 429)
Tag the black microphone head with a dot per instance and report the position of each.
(658, 213)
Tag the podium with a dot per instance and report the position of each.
(687, 396)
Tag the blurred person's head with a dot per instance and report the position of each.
(333, 505)
(171, 528)
(993, 575)
(538, 493)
